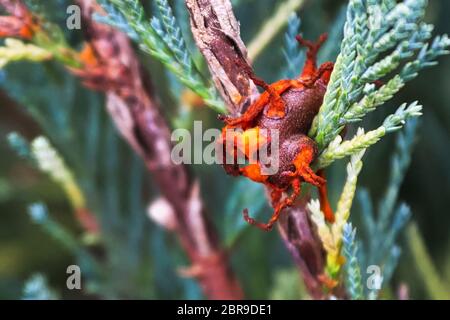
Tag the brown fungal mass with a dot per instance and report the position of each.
(302, 105)
(289, 107)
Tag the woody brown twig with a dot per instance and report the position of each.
(18, 23)
(136, 113)
(216, 33)
(302, 242)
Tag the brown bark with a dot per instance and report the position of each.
(304, 245)
(13, 114)
(135, 111)
(19, 23)
(217, 35)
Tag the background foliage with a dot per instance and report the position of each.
(142, 258)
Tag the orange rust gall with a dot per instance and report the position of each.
(88, 56)
(26, 32)
(23, 27)
(191, 100)
(288, 106)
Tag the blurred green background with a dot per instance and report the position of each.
(141, 257)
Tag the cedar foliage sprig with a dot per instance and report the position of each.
(374, 29)
(161, 37)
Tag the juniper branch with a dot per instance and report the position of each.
(353, 271)
(374, 28)
(163, 40)
(338, 149)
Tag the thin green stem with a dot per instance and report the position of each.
(272, 26)
(428, 272)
